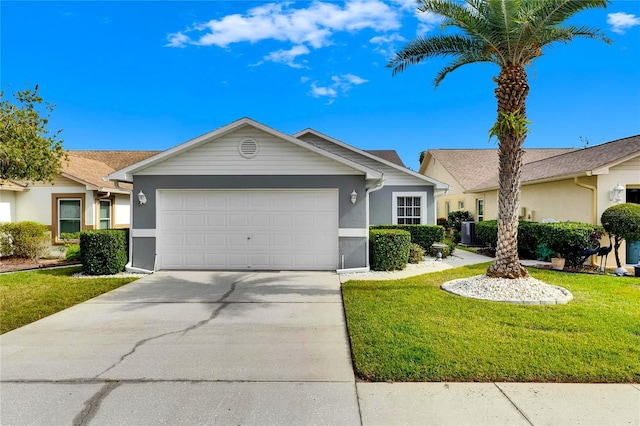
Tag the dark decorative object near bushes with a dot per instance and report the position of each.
(389, 249)
(103, 252)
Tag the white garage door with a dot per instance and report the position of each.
(248, 229)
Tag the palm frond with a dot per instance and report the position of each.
(422, 48)
(457, 63)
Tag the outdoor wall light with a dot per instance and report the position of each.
(142, 198)
(354, 196)
(616, 193)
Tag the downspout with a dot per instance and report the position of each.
(129, 267)
(375, 187)
(594, 208)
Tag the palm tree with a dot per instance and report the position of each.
(510, 34)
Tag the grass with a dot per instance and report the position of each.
(411, 330)
(26, 297)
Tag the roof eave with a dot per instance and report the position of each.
(437, 184)
(126, 174)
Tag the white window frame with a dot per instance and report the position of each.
(60, 218)
(447, 208)
(100, 219)
(460, 205)
(423, 205)
(479, 217)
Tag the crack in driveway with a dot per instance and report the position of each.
(92, 404)
(214, 315)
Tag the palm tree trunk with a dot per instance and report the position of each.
(511, 93)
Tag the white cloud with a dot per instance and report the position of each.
(340, 84)
(386, 39)
(428, 21)
(313, 25)
(288, 57)
(620, 21)
(318, 91)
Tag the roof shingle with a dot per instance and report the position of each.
(472, 167)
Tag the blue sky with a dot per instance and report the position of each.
(153, 74)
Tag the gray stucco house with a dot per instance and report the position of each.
(248, 197)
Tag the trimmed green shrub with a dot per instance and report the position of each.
(416, 253)
(540, 240)
(568, 239)
(487, 232)
(27, 240)
(623, 221)
(456, 218)
(389, 249)
(423, 235)
(529, 238)
(73, 252)
(103, 251)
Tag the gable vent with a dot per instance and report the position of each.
(248, 148)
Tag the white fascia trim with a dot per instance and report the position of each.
(143, 233)
(423, 205)
(352, 270)
(126, 174)
(352, 232)
(437, 184)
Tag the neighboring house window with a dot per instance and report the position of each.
(480, 209)
(105, 214)
(409, 208)
(460, 205)
(447, 208)
(69, 215)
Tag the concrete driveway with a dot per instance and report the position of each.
(189, 348)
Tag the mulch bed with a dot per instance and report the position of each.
(11, 264)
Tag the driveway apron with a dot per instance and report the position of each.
(187, 347)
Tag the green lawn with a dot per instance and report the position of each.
(411, 330)
(26, 297)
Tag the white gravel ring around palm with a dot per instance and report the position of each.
(528, 291)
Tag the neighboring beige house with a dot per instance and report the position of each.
(464, 169)
(79, 198)
(564, 185)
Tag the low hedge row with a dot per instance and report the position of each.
(423, 235)
(28, 240)
(389, 249)
(566, 239)
(104, 251)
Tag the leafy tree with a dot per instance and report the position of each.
(623, 221)
(510, 34)
(27, 151)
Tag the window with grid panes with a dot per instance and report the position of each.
(408, 210)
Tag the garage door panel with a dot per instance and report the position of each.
(194, 220)
(260, 220)
(170, 220)
(248, 229)
(240, 260)
(238, 240)
(216, 261)
(282, 220)
(238, 220)
(216, 220)
(194, 260)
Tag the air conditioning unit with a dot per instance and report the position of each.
(469, 238)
